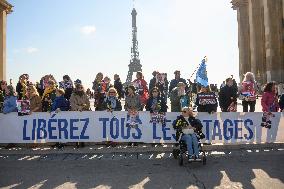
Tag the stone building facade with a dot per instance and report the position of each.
(261, 38)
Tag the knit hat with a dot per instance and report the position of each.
(78, 82)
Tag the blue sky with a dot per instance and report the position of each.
(81, 38)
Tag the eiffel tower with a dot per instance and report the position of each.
(134, 65)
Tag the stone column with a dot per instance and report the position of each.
(282, 30)
(2, 44)
(273, 16)
(5, 8)
(243, 36)
(257, 40)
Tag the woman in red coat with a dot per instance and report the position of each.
(269, 100)
(269, 103)
(141, 88)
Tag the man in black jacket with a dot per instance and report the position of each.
(227, 95)
(118, 86)
(176, 80)
(153, 80)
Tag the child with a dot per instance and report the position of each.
(60, 102)
(188, 128)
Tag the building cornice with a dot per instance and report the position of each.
(238, 3)
(4, 5)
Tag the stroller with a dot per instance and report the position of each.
(182, 151)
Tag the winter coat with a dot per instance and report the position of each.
(177, 102)
(21, 90)
(142, 90)
(152, 107)
(100, 89)
(97, 86)
(206, 102)
(35, 102)
(119, 88)
(235, 86)
(180, 123)
(248, 89)
(60, 102)
(49, 94)
(10, 104)
(152, 83)
(132, 102)
(227, 95)
(269, 102)
(79, 103)
(108, 105)
(163, 87)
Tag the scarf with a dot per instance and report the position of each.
(112, 101)
(155, 100)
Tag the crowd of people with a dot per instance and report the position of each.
(49, 95)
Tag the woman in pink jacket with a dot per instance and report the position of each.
(269, 100)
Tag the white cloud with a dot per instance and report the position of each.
(31, 50)
(27, 50)
(88, 30)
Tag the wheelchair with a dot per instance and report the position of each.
(182, 152)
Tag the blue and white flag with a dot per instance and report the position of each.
(201, 75)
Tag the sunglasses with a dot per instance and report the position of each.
(111, 92)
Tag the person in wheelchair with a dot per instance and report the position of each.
(189, 130)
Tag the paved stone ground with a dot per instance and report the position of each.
(227, 169)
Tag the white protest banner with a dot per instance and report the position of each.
(105, 126)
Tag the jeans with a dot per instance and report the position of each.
(191, 141)
(251, 104)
